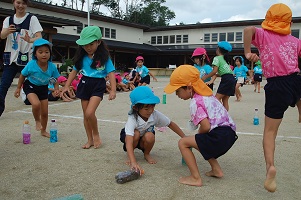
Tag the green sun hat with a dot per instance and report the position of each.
(89, 34)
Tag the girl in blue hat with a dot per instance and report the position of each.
(139, 129)
(240, 71)
(35, 78)
(93, 60)
(221, 64)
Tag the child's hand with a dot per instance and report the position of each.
(17, 92)
(56, 93)
(112, 95)
(65, 89)
(155, 79)
(136, 167)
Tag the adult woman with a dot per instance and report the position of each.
(20, 31)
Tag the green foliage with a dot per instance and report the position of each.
(65, 65)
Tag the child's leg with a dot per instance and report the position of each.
(195, 177)
(237, 92)
(36, 109)
(216, 170)
(225, 101)
(147, 143)
(270, 132)
(299, 109)
(255, 85)
(258, 87)
(44, 117)
(91, 121)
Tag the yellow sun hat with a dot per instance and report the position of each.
(187, 75)
(278, 19)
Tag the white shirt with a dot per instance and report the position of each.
(156, 119)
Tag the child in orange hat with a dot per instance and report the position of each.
(279, 52)
(215, 128)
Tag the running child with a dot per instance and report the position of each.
(35, 78)
(240, 71)
(143, 72)
(257, 71)
(279, 52)
(215, 128)
(139, 129)
(93, 59)
(202, 63)
(221, 65)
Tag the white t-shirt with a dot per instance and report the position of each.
(23, 46)
(156, 119)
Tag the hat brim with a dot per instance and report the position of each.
(150, 100)
(171, 88)
(83, 42)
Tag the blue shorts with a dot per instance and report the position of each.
(122, 139)
(40, 91)
(227, 85)
(89, 87)
(280, 93)
(217, 142)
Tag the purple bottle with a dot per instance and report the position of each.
(26, 132)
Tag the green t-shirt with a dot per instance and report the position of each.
(222, 65)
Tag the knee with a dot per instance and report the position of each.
(36, 105)
(89, 115)
(181, 143)
(149, 137)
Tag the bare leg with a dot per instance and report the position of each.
(255, 85)
(147, 143)
(225, 101)
(195, 178)
(299, 109)
(216, 170)
(237, 92)
(36, 109)
(44, 118)
(270, 132)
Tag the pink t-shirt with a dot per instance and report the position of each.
(278, 53)
(202, 107)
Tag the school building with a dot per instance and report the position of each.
(161, 47)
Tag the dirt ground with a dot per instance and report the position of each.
(44, 170)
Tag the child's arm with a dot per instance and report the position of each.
(249, 33)
(152, 76)
(204, 126)
(71, 76)
(212, 80)
(112, 79)
(129, 140)
(211, 74)
(20, 83)
(56, 89)
(173, 126)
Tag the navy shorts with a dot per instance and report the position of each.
(280, 93)
(40, 91)
(52, 98)
(89, 87)
(258, 77)
(145, 79)
(227, 85)
(122, 139)
(216, 143)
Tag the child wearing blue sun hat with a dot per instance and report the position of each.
(139, 129)
(221, 65)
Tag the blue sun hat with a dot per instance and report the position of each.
(40, 42)
(89, 34)
(225, 45)
(143, 95)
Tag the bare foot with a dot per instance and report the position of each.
(189, 180)
(258, 91)
(255, 90)
(217, 174)
(97, 141)
(45, 134)
(270, 181)
(237, 100)
(87, 145)
(149, 159)
(38, 125)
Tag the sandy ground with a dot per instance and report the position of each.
(44, 170)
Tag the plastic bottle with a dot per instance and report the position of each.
(126, 176)
(53, 131)
(164, 98)
(26, 132)
(256, 118)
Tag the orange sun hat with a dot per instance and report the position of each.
(187, 75)
(278, 19)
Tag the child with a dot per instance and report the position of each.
(257, 76)
(240, 72)
(38, 73)
(93, 58)
(202, 63)
(126, 80)
(221, 65)
(52, 95)
(69, 95)
(143, 72)
(279, 52)
(216, 133)
(139, 129)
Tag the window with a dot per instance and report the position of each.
(207, 37)
(113, 33)
(79, 28)
(153, 40)
(172, 39)
(101, 29)
(159, 39)
(295, 33)
(230, 37)
(222, 37)
(185, 38)
(214, 37)
(165, 39)
(107, 32)
(238, 36)
(179, 39)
